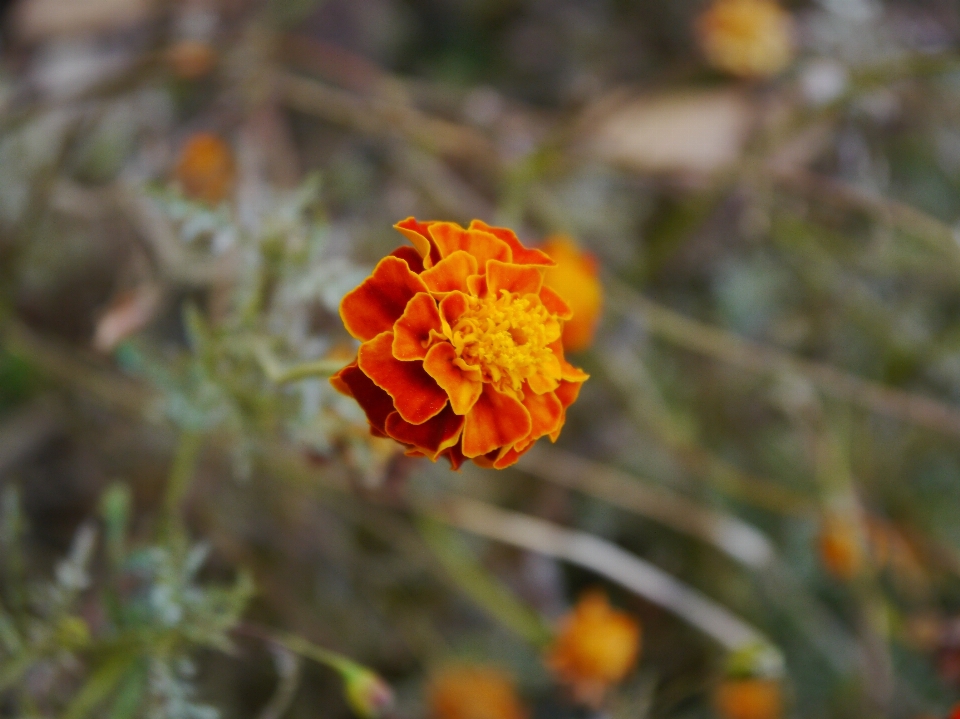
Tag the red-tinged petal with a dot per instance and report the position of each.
(431, 437)
(452, 307)
(379, 301)
(509, 456)
(496, 420)
(419, 234)
(410, 256)
(374, 402)
(415, 394)
(455, 455)
(546, 415)
(570, 373)
(463, 388)
(524, 280)
(450, 237)
(567, 393)
(521, 255)
(451, 272)
(477, 285)
(555, 304)
(411, 333)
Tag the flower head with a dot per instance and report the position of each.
(461, 353)
(575, 280)
(747, 38)
(205, 169)
(749, 698)
(596, 647)
(474, 692)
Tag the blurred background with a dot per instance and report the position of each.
(753, 510)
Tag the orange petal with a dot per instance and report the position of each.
(572, 374)
(415, 395)
(524, 280)
(374, 402)
(546, 415)
(451, 272)
(567, 393)
(452, 307)
(477, 285)
(509, 456)
(455, 455)
(410, 256)
(379, 301)
(521, 255)
(419, 234)
(450, 237)
(462, 388)
(555, 304)
(411, 333)
(431, 437)
(496, 420)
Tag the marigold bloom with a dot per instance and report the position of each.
(596, 647)
(205, 169)
(474, 692)
(747, 38)
(461, 353)
(753, 698)
(840, 550)
(575, 280)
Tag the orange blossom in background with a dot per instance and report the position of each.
(474, 692)
(747, 38)
(205, 168)
(461, 353)
(749, 698)
(575, 280)
(595, 648)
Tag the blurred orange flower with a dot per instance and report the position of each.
(575, 280)
(205, 169)
(474, 692)
(955, 712)
(756, 698)
(840, 550)
(747, 38)
(191, 59)
(596, 647)
(461, 353)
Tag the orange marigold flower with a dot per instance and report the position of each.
(205, 169)
(840, 550)
(575, 280)
(596, 647)
(474, 692)
(754, 698)
(461, 353)
(747, 38)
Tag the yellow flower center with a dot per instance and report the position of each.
(506, 340)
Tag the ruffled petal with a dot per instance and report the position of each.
(570, 373)
(477, 285)
(455, 455)
(380, 300)
(432, 437)
(546, 416)
(521, 255)
(451, 272)
(567, 393)
(509, 456)
(524, 280)
(419, 234)
(496, 420)
(555, 304)
(416, 396)
(463, 387)
(411, 333)
(374, 402)
(452, 308)
(547, 376)
(450, 237)
(410, 256)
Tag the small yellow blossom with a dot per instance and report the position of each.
(575, 280)
(747, 38)
(474, 692)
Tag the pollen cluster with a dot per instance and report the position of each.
(507, 340)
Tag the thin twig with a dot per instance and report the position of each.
(763, 359)
(736, 538)
(605, 559)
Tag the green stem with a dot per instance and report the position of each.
(279, 374)
(181, 474)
